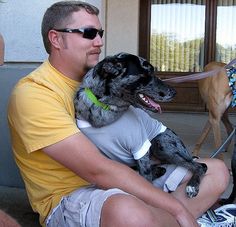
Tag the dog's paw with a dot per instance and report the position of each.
(191, 191)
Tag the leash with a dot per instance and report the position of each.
(197, 76)
(220, 149)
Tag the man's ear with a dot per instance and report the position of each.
(55, 39)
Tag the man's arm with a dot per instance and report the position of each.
(81, 156)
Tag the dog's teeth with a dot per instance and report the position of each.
(141, 95)
(144, 98)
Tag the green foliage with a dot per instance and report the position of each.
(171, 55)
(225, 54)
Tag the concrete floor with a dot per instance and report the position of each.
(187, 125)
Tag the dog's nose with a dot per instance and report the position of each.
(173, 91)
(162, 94)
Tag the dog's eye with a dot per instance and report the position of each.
(143, 80)
(119, 65)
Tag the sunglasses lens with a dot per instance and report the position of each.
(100, 32)
(91, 33)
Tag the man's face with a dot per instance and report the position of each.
(79, 52)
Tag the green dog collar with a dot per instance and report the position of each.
(94, 99)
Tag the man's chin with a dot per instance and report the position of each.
(88, 67)
(93, 58)
(91, 64)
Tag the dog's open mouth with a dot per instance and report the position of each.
(149, 102)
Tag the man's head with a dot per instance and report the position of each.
(59, 15)
(72, 35)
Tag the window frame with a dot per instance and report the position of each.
(210, 30)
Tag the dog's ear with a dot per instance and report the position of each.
(110, 67)
(146, 65)
(138, 61)
(113, 69)
(122, 55)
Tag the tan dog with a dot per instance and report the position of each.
(216, 93)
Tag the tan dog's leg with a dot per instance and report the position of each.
(202, 138)
(217, 95)
(217, 134)
(228, 126)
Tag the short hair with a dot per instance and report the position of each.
(59, 14)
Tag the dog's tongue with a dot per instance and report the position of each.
(154, 104)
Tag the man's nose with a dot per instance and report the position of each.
(98, 41)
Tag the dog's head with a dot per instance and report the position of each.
(131, 78)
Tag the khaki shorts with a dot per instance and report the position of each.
(83, 207)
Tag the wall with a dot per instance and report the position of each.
(9, 174)
(20, 24)
(122, 19)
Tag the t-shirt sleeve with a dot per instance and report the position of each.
(40, 117)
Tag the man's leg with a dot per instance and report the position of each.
(98, 208)
(126, 210)
(213, 184)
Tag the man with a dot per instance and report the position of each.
(68, 181)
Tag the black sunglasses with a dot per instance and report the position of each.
(88, 33)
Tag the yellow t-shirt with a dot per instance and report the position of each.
(41, 113)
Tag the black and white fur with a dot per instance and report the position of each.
(123, 80)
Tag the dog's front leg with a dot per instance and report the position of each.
(198, 170)
(168, 148)
(147, 170)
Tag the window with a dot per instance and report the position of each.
(225, 31)
(183, 35)
(179, 37)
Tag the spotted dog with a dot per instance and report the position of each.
(112, 107)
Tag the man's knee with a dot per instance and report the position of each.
(126, 210)
(218, 169)
(224, 171)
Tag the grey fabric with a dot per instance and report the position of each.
(82, 208)
(128, 138)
